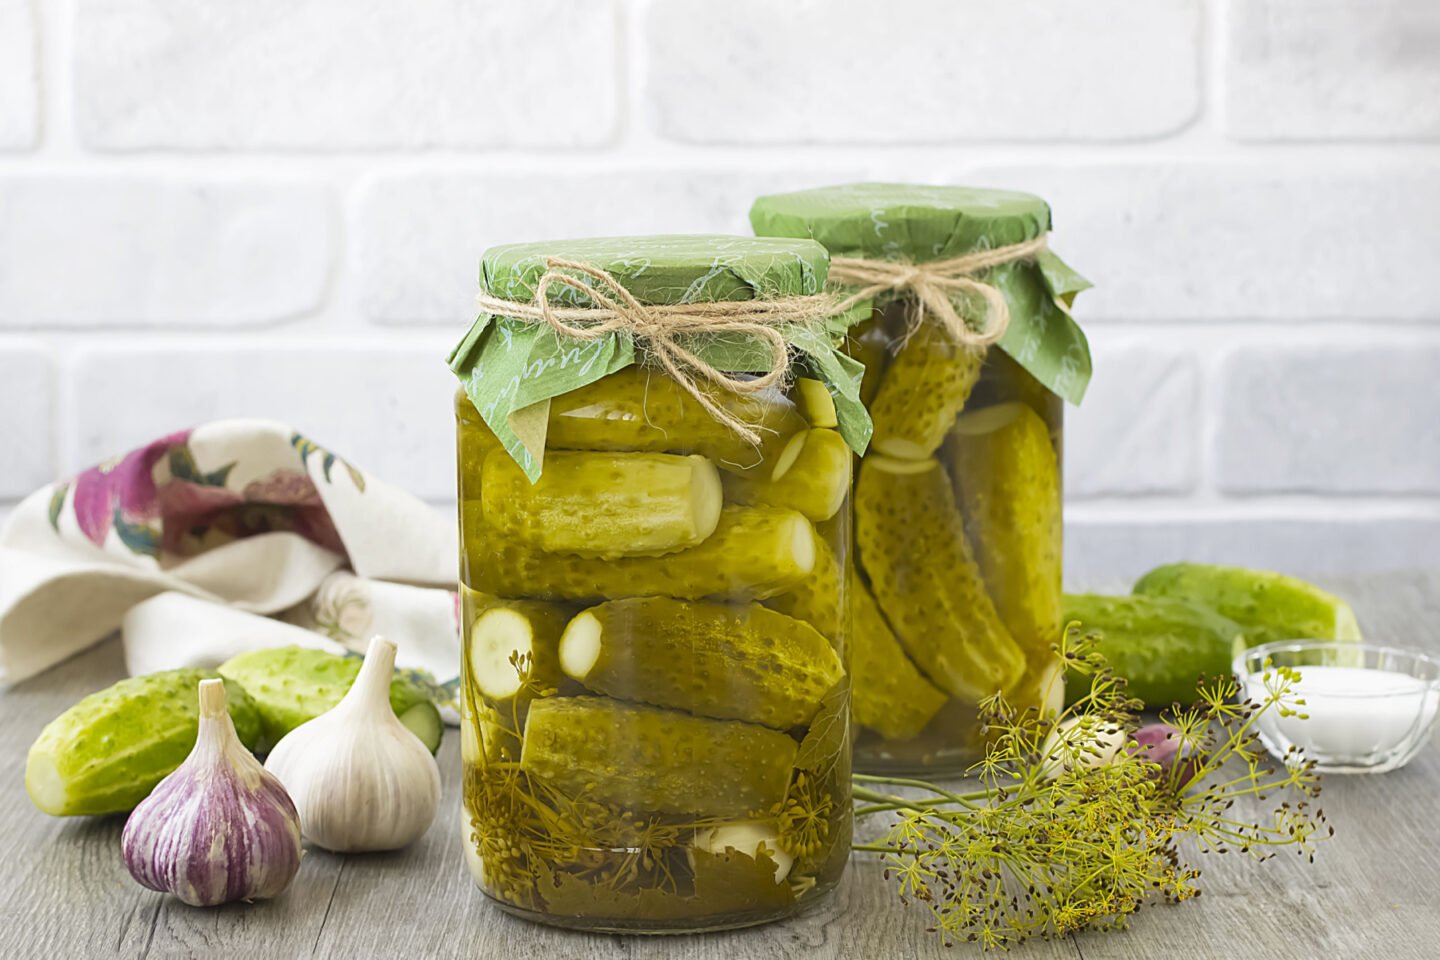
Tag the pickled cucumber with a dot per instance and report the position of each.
(815, 403)
(514, 635)
(911, 540)
(1161, 645)
(605, 504)
(476, 443)
(812, 475)
(889, 695)
(868, 343)
(646, 758)
(926, 385)
(636, 409)
(754, 553)
(1008, 481)
(726, 661)
(1268, 606)
(816, 600)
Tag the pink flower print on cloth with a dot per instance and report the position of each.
(160, 502)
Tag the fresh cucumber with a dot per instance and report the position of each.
(1268, 606)
(290, 685)
(1161, 645)
(106, 753)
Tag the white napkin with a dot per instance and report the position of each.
(236, 535)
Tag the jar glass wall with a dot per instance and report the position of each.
(655, 690)
(958, 572)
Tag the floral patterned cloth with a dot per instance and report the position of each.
(233, 535)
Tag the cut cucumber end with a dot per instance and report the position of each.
(816, 404)
(799, 537)
(499, 634)
(424, 721)
(580, 645)
(901, 448)
(789, 454)
(1346, 626)
(901, 466)
(45, 785)
(707, 497)
(990, 419)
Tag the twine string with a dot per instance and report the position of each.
(660, 329)
(935, 285)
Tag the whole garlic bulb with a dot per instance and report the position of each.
(219, 828)
(360, 779)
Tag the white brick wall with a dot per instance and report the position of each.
(275, 208)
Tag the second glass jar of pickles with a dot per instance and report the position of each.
(955, 592)
(655, 685)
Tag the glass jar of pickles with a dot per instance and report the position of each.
(969, 351)
(653, 538)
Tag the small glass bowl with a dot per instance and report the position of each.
(1368, 708)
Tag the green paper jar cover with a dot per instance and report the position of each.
(511, 368)
(915, 223)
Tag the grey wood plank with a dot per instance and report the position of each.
(1372, 892)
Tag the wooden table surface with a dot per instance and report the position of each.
(1374, 890)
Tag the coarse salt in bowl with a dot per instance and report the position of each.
(1367, 708)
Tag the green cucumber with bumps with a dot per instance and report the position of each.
(291, 685)
(638, 409)
(1161, 645)
(604, 504)
(726, 661)
(1268, 606)
(811, 474)
(106, 753)
(645, 758)
(754, 553)
(816, 599)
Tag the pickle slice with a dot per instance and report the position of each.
(605, 504)
(812, 475)
(1008, 480)
(635, 409)
(730, 662)
(754, 553)
(926, 385)
(815, 403)
(888, 694)
(911, 540)
(514, 636)
(643, 758)
(816, 599)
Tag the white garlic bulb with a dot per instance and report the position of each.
(360, 779)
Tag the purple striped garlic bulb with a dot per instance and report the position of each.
(220, 828)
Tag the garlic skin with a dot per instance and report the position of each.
(361, 780)
(219, 828)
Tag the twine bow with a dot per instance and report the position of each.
(660, 329)
(935, 283)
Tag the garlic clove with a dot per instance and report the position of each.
(361, 780)
(219, 828)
